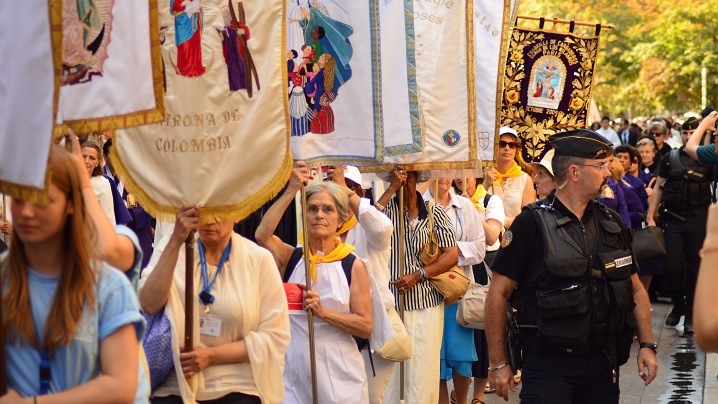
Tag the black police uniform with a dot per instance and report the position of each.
(571, 314)
(686, 196)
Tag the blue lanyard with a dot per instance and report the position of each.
(44, 373)
(205, 296)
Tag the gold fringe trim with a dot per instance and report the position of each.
(137, 118)
(471, 82)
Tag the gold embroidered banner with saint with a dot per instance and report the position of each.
(223, 144)
(547, 85)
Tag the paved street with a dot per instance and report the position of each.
(685, 375)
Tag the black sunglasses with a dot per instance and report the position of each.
(656, 134)
(511, 145)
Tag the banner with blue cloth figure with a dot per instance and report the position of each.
(351, 81)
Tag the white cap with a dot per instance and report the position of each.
(505, 130)
(546, 162)
(352, 173)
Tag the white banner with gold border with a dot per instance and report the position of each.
(223, 144)
(111, 66)
(30, 44)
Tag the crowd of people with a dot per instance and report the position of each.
(552, 238)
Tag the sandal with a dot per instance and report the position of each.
(452, 397)
(488, 389)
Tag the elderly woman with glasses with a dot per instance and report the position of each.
(339, 299)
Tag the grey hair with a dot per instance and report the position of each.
(338, 194)
(560, 166)
(646, 142)
(657, 125)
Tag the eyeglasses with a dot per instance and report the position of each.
(600, 166)
(655, 134)
(511, 145)
(327, 209)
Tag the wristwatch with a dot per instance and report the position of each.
(650, 345)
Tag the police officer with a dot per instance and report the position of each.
(566, 265)
(683, 189)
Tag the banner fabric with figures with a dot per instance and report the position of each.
(351, 80)
(111, 66)
(30, 45)
(547, 85)
(223, 144)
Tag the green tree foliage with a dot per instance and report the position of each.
(651, 62)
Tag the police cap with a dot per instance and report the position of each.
(582, 143)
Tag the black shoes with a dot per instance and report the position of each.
(688, 324)
(675, 316)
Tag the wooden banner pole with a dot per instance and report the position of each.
(402, 272)
(310, 314)
(189, 293)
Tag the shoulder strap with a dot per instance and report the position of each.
(487, 198)
(431, 216)
(292, 263)
(347, 264)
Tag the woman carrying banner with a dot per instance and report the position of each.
(105, 188)
(458, 352)
(424, 309)
(339, 299)
(508, 180)
(241, 315)
(78, 307)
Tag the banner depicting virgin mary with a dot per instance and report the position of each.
(223, 143)
(547, 85)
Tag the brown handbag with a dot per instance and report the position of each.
(451, 284)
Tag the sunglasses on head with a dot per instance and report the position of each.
(511, 145)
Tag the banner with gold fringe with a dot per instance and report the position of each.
(31, 62)
(223, 144)
(111, 65)
(547, 85)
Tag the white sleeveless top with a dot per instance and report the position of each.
(511, 195)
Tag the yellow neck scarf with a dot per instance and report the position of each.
(340, 251)
(478, 197)
(513, 171)
(347, 226)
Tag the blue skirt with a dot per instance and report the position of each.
(457, 346)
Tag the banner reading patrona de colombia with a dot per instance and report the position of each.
(547, 85)
(224, 143)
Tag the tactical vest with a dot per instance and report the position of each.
(581, 302)
(687, 188)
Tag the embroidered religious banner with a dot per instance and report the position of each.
(30, 45)
(351, 81)
(445, 74)
(111, 65)
(223, 144)
(491, 34)
(547, 85)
